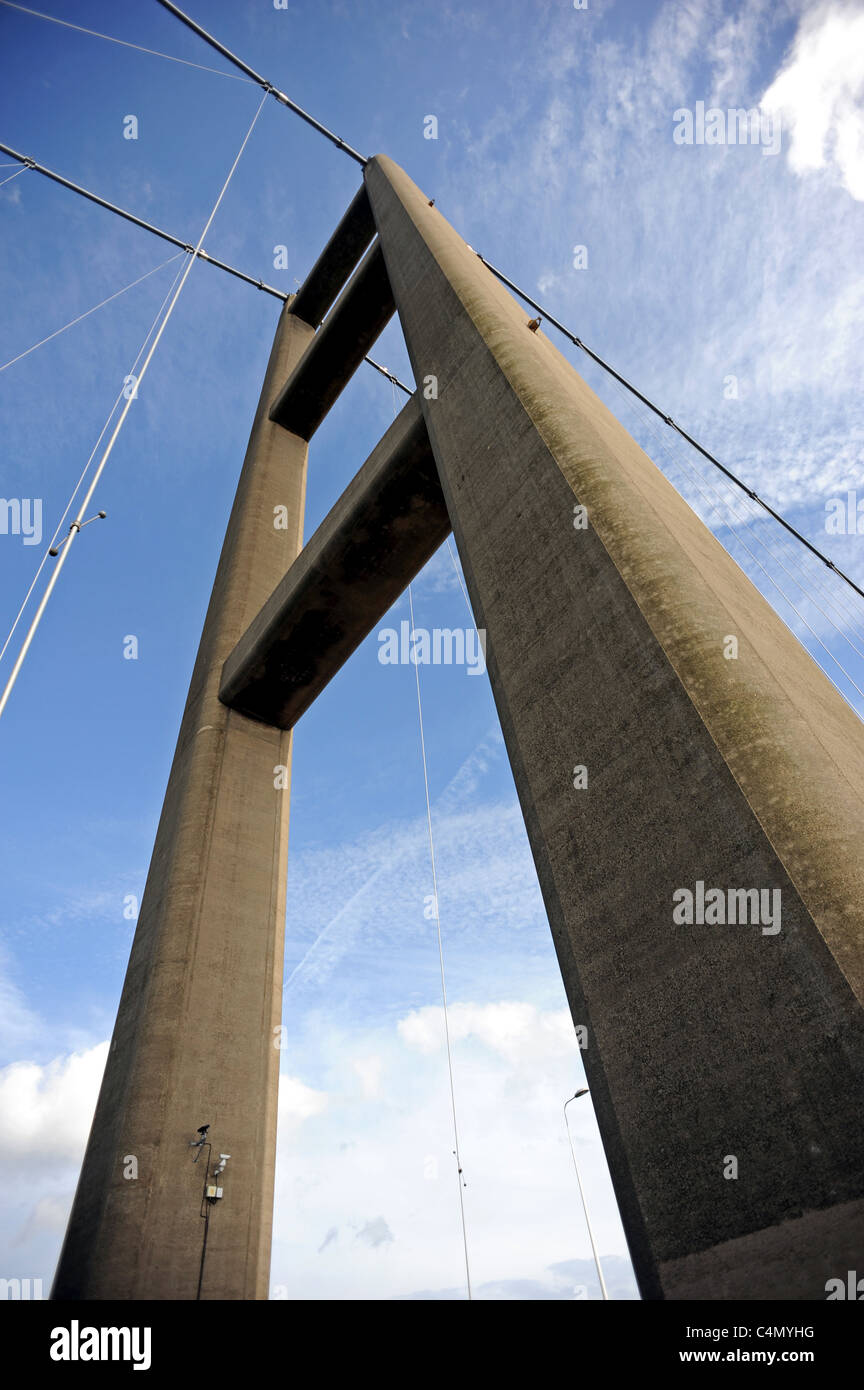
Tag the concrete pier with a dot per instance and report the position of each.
(608, 649)
(194, 1038)
(672, 746)
(389, 521)
(360, 314)
(336, 262)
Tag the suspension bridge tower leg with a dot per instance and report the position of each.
(668, 736)
(195, 1039)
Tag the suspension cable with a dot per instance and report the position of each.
(394, 380)
(453, 1112)
(94, 33)
(262, 82)
(667, 419)
(86, 468)
(732, 502)
(29, 163)
(284, 100)
(195, 251)
(76, 526)
(777, 586)
(720, 499)
(550, 318)
(10, 177)
(88, 312)
(441, 960)
(461, 582)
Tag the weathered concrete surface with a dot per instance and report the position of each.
(605, 648)
(361, 312)
(337, 260)
(389, 521)
(194, 1039)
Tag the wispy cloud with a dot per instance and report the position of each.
(371, 1180)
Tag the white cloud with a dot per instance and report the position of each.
(369, 1070)
(298, 1102)
(45, 1111)
(519, 1032)
(819, 95)
(377, 1173)
(45, 1115)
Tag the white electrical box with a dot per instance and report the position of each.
(213, 1192)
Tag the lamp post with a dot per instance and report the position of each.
(603, 1289)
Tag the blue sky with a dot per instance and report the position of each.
(704, 264)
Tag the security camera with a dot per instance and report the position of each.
(202, 1137)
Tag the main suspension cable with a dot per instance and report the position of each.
(714, 497)
(77, 524)
(195, 251)
(29, 163)
(544, 313)
(667, 419)
(284, 100)
(262, 82)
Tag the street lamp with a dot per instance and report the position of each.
(603, 1290)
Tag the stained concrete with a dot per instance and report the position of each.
(360, 314)
(336, 262)
(194, 1041)
(389, 521)
(605, 647)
